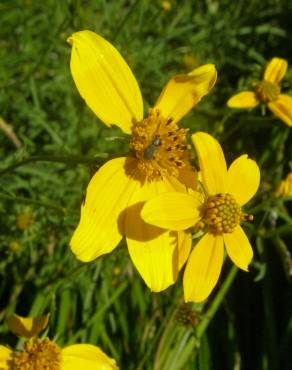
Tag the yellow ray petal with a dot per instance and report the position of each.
(153, 250)
(27, 327)
(173, 211)
(183, 92)
(100, 227)
(282, 107)
(243, 179)
(189, 177)
(177, 184)
(245, 99)
(4, 357)
(104, 80)
(238, 248)
(212, 162)
(86, 356)
(275, 70)
(184, 247)
(203, 268)
(156, 260)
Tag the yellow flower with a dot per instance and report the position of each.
(166, 5)
(117, 192)
(43, 354)
(285, 187)
(218, 213)
(268, 91)
(24, 220)
(190, 61)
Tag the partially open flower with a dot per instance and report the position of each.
(44, 354)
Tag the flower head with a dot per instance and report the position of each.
(43, 354)
(268, 91)
(218, 213)
(158, 163)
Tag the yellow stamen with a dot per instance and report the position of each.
(267, 91)
(40, 355)
(159, 146)
(221, 214)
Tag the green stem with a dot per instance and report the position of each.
(274, 233)
(285, 256)
(219, 128)
(124, 21)
(208, 316)
(58, 159)
(36, 202)
(157, 336)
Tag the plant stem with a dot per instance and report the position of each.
(71, 160)
(208, 316)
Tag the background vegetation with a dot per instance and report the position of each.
(57, 143)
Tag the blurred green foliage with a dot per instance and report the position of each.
(58, 143)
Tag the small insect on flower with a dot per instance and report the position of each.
(151, 149)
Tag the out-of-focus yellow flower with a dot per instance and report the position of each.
(14, 246)
(268, 91)
(190, 61)
(285, 187)
(159, 160)
(44, 354)
(24, 220)
(166, 5)
(218, 214)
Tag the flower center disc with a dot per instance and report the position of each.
(159, 146)
(267, 91)
(40, 355)
(222, 214)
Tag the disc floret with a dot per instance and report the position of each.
(221, 214)
(38, 354)
(159, 145)
(267, 91)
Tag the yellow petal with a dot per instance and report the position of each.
(157, 260)
(212, 162)
(173, 211)
(203, 268)
(100, 228)
(245, 99)
(27, 327)
(189, 177)
(183, 92)
(104, 80)
(86, 356)
(184, 247)
(243, 179)
(282, 107)
(238, 248)
(275, 70)
(4, 357)
(153, 250)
